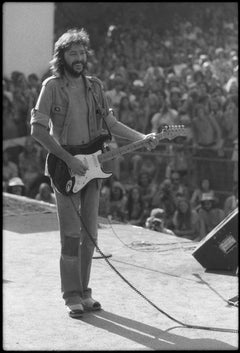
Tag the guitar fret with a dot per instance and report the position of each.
(169, 133)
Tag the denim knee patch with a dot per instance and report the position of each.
(70, 246)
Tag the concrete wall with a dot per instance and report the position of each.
(28, 30)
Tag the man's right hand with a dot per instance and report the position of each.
(77, 166)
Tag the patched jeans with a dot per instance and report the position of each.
(76, 245)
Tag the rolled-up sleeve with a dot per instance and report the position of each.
(41, 113)
(111, 119)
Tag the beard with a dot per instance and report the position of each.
(73, 72)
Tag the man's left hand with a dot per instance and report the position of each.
(151, 141)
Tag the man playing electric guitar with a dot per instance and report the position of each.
(70, 113)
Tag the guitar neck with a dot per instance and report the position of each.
(118, 152)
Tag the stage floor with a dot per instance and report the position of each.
(158, 265)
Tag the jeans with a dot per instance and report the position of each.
(76, 245)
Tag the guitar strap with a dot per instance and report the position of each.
(100, 109)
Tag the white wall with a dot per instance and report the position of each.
(28, 30)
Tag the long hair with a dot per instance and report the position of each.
(72, 36)
(184, 219)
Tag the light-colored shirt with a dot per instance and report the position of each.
(54, 108)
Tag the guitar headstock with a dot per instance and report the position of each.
(172, 131)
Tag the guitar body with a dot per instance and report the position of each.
(64, 180)
(92, 155)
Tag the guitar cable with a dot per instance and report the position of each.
(140, 293)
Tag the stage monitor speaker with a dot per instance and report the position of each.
(218, 251)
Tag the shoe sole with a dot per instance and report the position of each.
(92, 309)
(76, 314)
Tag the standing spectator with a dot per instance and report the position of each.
(185, 220)
(210, 215)
(165, 116)
(22, 100)
(229, 124)
(207, 140)
(45, 194)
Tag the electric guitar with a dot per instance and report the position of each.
(93, 155)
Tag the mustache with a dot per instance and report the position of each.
(79, 62)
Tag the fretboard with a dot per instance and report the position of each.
(118, 152)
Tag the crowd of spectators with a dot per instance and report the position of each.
(186, 74)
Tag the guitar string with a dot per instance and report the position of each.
(139, 292)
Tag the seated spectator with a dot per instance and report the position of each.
(30, 167)
(104, 203)
(185, 220)
(136, 212)
(16, 186)
(205, 187)
(147, 187)
(178, 188)
(156, 221)
(164, 198)
(210, 215)
(179, 161)
(9, 171)
(117, 202)
(231, 201)
(45, 194)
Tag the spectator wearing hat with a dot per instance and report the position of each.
(186, 220)
(209, 214)
(156, 221)
(16, 186)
